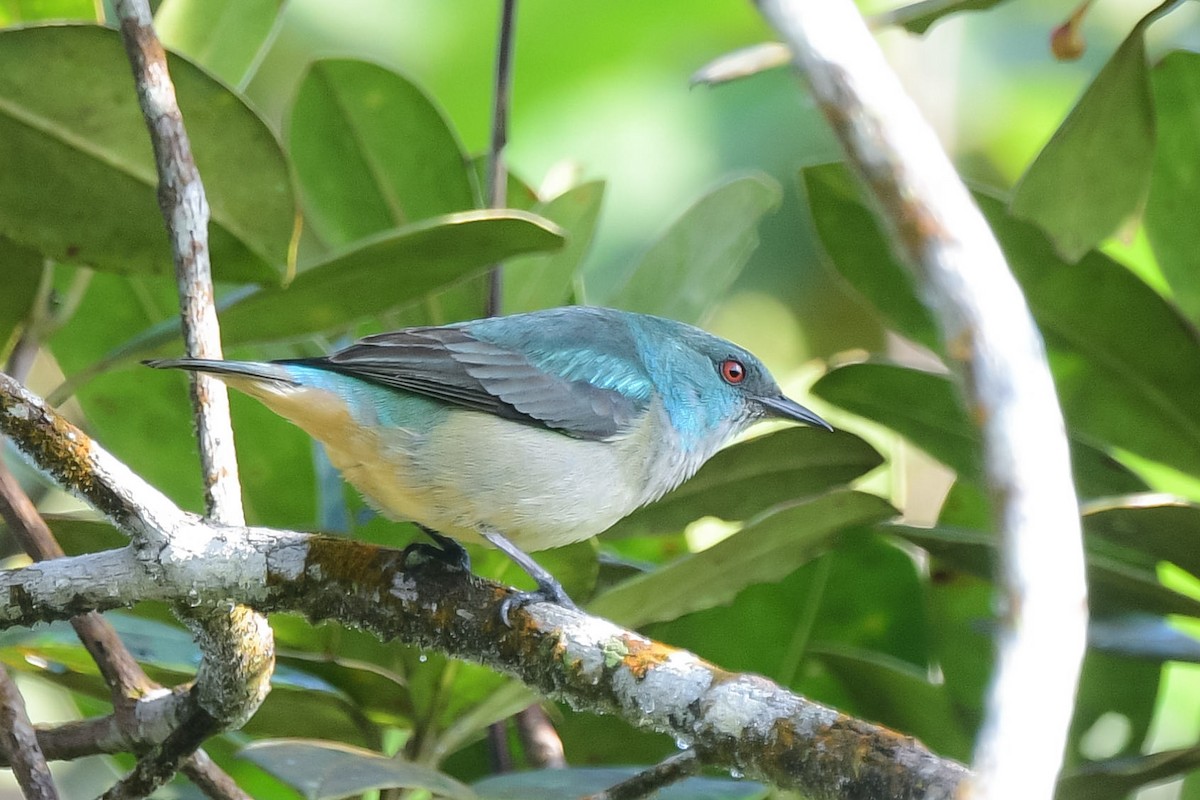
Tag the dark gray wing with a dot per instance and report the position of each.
(450, 365)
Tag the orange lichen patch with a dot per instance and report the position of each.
(58, 447)
(642, 655)
(345, 561)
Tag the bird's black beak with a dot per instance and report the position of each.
(786, 408)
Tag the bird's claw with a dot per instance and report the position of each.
(448, 553)
(550, 591)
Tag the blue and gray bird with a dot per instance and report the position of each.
(529, 431)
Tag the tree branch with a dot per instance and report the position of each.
(997, 351)
(237, 645)
(497, 171)
(19, 744)
(733, 721)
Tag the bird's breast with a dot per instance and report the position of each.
(457, 470)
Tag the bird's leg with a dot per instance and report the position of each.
(549, 589)
(444, 549)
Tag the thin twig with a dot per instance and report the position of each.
(668, 771)
(992, 341)
(497, 170)
(541, 742)
(18, 742)
(237, 647)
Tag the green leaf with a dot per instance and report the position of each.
(900, 696)
(555, 784)
(223, 36)
(325, 770)
(1125, 363)
(927, 410)
(545, 281)
(749, 477)
(694, 263)
(1175, 178)
(765, 550)
(385, 272)
(372, 152)
(73, 133)
(1161, 527)
(863, 592)
(1094, 171)
(14, 12)
(918, 16)
(22, 270)
(1120, 777)
(860, 252)
(1115, 584)
(923, 407)
(1110, 685)
(170, 656)
(962, 616)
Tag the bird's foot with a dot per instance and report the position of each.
(444, 550)
(549, 591)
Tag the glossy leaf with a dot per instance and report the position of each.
(900, 696)
(326, 770)
(863, 592)
(918, 16)
(398, 161)
(1175, 178)
(1094, 171)
(555, 784)
(385, 272)
(765, 550)
(1120, 777)
(861, 254)
(22, 271)
(170, 656)
(223, 36)
(750, 477)
(545, 281)
(1126, 364)
(1115, 585)
(694, 263)
(962, 620)
(926, 409)
(73, 133)
(1161, 527)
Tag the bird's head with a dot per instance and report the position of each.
(712, 389)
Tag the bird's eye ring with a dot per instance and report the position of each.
(732, 371)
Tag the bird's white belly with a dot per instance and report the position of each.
(539, 488)
(461, 471)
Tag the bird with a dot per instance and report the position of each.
(528, 431)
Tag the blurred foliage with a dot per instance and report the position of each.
(341, 146)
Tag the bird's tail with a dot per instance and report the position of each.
(255, 370)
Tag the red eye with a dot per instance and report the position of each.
(732, 371)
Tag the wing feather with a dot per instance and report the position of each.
(451, 365)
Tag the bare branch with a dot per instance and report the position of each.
(670, 770)
(237, 645)
(497, 170)
(992, 340)
(542, 745)
(19, 743)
